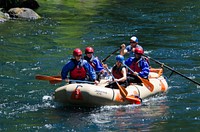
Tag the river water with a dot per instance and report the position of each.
(168, 31)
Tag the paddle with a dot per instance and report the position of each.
(121, 88)
(57, 79)
(148, 84)
(51, 79)
(124, 92)
(162, 64)
(110, 55)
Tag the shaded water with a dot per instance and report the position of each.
(168, 31)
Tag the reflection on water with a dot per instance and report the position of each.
(130, 117)
(122, 117)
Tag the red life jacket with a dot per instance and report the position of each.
(117, 72)
(90, 60)
(78, 72)
(136, 67)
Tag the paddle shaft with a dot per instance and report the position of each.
(51, 78)
(171, 69)
(122, 89)
(124, 92)
(57, 79)
(110, 55)
(148, 84)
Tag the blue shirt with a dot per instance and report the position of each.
(71, 65)
(96, 62)
(129, 49)
(143, 64)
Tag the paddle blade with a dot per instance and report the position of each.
(48, 78)
(56, 76)
(42, 77)
(55, 81)
(148, 84)
(134, 100)
(122, 90)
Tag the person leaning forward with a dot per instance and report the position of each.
(119, 73)
(130, 48)
(78, 68)
(139, 65)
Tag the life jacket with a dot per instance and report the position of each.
(79, 71)
(90, 61)
(116, 71)
(147, 59)
(135, 66)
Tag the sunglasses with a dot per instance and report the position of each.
(78, 55)
(89, 53)
(138, 54)
(132, 42)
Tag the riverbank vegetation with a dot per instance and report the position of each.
(7, 4)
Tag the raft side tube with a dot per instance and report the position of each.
(83, 94)
(88, 94)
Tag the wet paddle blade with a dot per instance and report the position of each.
(57, 76)
(55, 81)
(122, 90)
(48, 78)
(133, 99)
(42, 77)
(148, 84)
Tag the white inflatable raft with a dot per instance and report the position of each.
(82, 94)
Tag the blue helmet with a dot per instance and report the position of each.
(120, 58)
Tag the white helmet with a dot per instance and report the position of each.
(135, 39)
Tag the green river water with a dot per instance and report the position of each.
(168, 31)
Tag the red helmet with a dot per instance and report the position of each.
(139, 51)
(77, 52)
(89, 50)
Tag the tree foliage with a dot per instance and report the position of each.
(7, 4)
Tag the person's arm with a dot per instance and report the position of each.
(128, 61)
(123, 50)
(98, 65)
(123, 71)
(67, 67)
(145, 69)
(90, 71)
(137, 46)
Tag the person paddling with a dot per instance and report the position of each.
(119, 73)
(94, 61)
(139, 65)
(78, 68)
(130, 48)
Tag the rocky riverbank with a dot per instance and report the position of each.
(18, 9)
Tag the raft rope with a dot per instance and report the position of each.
(138, 91)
